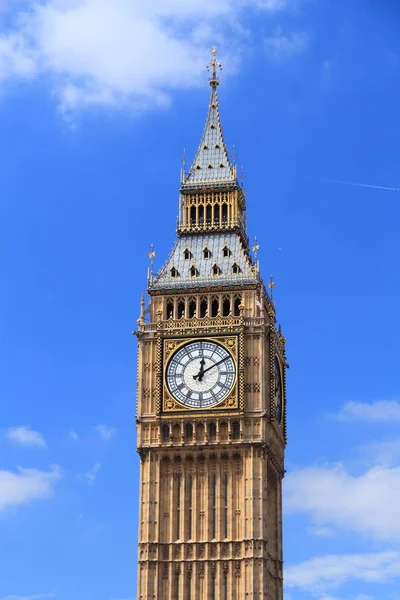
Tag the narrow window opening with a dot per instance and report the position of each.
(213, 596)
(226, 252)
(165, 433)
(225, 586)
(181, 309)
(212, 431)
(170, 309)
(226, 505)
(226, 307)
(206, 253)
(174, 272)
(178, 505)
(193, 272)
(224, 211)
(190, 508)
(205, 147)
(214, 505)
(237, 303)
(192, 308)
(203, 308)
(198, 167)
(216, 214)
(210, 166)
(214, 307)
(187, 254)
(177, 577)
(235, 430)
(222, 165)
(189, 432)
(208, 214)
(217, 146)
(212, 126)
(193, 215)
(201, 215)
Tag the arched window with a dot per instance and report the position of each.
(200, 432)
(192, 308)
(170, 309)
(235, 269)
(181, 308)
(216, 214)
(223, 432)
(235, 430)
(226, 306)
(208, 214)
(201, 215)
(165, 433)
(188, 432)
(203, 307)
(212, 431)
(224, 212)
(236, 305)
(214, 307)
(176, 433)
(216, 270)
(193, 215)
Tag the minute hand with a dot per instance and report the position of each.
(212, 366)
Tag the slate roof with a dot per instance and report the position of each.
(196, 244)
(211, 163)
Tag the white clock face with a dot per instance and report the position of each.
(201, 374)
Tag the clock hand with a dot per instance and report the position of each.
(202, 363)
(200, 376)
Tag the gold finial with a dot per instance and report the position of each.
(271, 285)
(256, 248)
(214, 65)
(152, 254)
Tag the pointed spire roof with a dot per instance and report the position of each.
(211, 163)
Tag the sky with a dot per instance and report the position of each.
(98, 99)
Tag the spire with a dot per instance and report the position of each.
(211, 163)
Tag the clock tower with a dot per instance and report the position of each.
(211, 408)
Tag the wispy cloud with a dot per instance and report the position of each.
(92, 474)
(367, 504)
(284, 44)
(363, 185)
(323, 573)
(73, 435)
(26, 485)
(25, 436)
(105, 432)
(382, 411)
(137, 53)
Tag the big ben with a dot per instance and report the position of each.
(211, 402)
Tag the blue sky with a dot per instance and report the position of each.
(98, 98)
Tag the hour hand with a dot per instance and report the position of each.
(199, 375)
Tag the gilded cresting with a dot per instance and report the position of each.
(211, 410)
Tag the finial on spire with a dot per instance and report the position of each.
(214, 65)
(271, 285)
(234, 155)
(152, 254)
(255, 248)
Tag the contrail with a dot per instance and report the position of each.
(375, 187)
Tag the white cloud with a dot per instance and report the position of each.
(73, 435)
(383, 411)
(105, 432)
(386, 452)
(323, 573)
(367, 503)
(282, 45)
(27, 485)
(321, 531)
(119, 53)
(25, 436)
(92, 474)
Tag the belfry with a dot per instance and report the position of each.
(211, 410)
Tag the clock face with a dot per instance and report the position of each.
(278, 392)
(201, 374)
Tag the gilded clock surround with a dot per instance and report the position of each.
(210, 525)
(171, 345)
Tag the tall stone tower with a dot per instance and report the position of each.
(210, 400)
